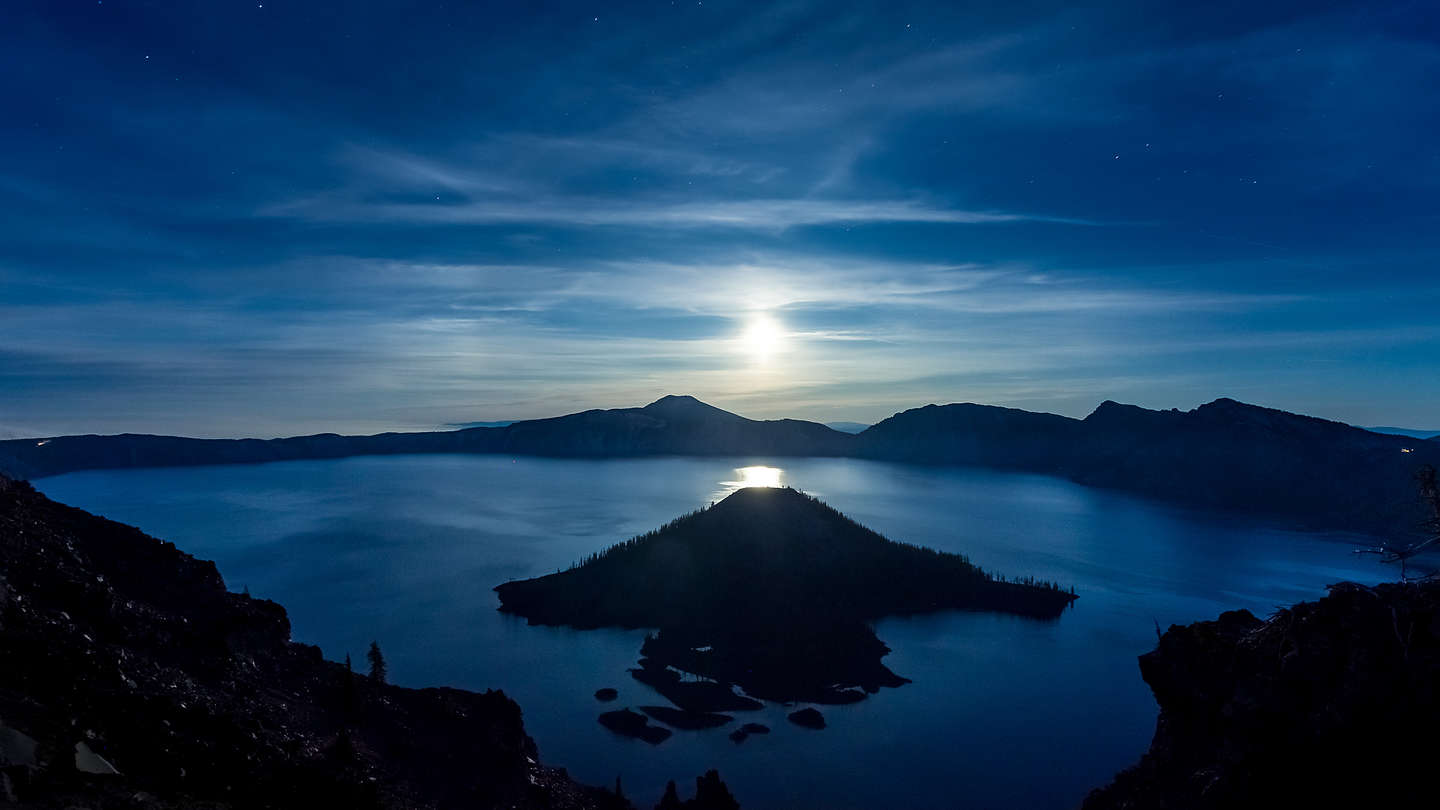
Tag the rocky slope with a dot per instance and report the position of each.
(130, 677)
(1328, 704)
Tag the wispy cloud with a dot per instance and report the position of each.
(765, 214)
(541, 214)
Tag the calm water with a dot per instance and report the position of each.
(1003, 712)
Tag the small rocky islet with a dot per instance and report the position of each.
(629, 723)
(809, 717)
(743, 733)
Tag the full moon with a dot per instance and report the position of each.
(762, 337)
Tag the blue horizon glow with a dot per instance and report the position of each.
(236, 218)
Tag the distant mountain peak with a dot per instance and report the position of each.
(1235, 411)
(675, 399)
(685, 405)
(1228, 404)
(1112, 410)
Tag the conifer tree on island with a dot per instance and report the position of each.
(377, 663)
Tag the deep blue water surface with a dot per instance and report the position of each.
(1003, 711)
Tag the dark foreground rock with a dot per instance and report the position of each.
(710, 794)
(807, 718)
(629, 723)
(129, 677)
(1327, 704)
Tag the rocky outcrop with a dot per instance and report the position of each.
(130, 677)
(710, 794)
(807, 718)
(1326, 704)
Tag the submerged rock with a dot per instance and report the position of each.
(606, 694)
(1326, 704)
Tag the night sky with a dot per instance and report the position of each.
(242, 218)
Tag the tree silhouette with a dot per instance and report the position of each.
(671, 799)
(710, 794)
(1391, 551)
(348, 697)
(377, 663)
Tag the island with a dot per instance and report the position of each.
(772, 591)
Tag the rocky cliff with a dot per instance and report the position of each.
(130, 677)
(1327, 704)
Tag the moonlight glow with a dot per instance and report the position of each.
(763, 338)
(754, 476)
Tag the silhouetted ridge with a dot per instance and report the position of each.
(775, 587)
(1114, 414)
(689, 408)
(1232, 456)
(1224, 455)
(969, 434)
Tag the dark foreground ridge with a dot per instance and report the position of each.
(1224, 455)
(129, 677)
(1327, 704)
(771, 590)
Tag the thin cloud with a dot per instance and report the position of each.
(763, 214)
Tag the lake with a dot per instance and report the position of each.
(1003, 712)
